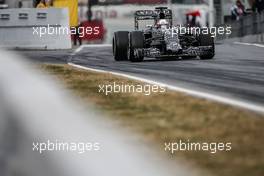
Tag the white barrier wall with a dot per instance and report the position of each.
(20, 28)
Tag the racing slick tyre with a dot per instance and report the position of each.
(136, 45)
(207, 40)
(120, 45)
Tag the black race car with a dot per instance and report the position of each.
(160, 40)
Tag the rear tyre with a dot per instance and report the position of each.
(120, 45)
(136, 45)
(207, 40)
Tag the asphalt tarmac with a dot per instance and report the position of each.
(237, 71)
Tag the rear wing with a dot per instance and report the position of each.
(152, 15)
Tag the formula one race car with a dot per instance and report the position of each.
(157, 41)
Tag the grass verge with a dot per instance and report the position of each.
(173, 116)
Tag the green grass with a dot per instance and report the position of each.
(171, 116)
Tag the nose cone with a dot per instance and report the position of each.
(174, 48)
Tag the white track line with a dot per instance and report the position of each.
(250, 44)
(90, 46)
(206, 95)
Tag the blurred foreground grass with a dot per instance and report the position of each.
(173, 116)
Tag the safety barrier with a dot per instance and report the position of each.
(248, 25)
(249, 28)
(28, 28)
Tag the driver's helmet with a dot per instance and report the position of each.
(163, 24)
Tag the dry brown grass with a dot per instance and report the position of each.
(173, 116)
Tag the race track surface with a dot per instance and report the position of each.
(46, 56)
(237, 71)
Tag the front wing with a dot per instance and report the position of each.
(191, 51)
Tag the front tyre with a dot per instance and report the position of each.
(136, 46)
(207, 40)
(120, 45)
